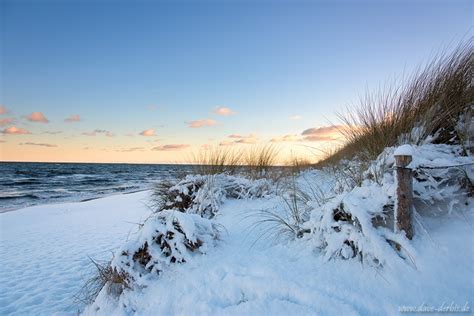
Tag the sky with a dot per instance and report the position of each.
(157, 81)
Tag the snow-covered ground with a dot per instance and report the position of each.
(239, 277)
(45, 250)
(44, 254)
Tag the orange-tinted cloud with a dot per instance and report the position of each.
(38, 144)
(148, 132)
(73, 118)
(240, 139)
(99, 131)
(325, 133)
(37, 117)
(52, 132)
(171, 147)
(202, 123)
(132, 149)
(6, 121)
(286, 138)
(3, 110)
(296, 117)
(251, 140)
(226, 143)
(15, 131)
(224, 111)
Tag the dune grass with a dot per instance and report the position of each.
(252, 160)
(217, 159)
(427, 105)
(259, 159)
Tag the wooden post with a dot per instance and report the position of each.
(404, 206)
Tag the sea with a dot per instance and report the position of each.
(25, 184)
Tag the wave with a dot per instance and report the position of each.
(20, 196)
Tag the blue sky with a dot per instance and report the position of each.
(128, 66)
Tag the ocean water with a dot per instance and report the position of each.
(27, 184)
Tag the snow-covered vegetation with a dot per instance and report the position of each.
(343, 212)
(336, 220)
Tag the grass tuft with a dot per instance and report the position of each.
(105, 275)
(425, 106)
(216, 160)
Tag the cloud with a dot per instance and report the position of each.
(286, 138)
(73, 118)
(171, 147)
(240, 139)
(3, 110)
(148, 132)
(318, 138)
(296, 117)
(226, 143)
(247, 141)
(52, 132)
(132, 149)
(202, 123)
(224, 111)
(38, 144)
(15, 131)
(206, 146)
(99, 131)
(6, 121)
(325, 133)
(2, 141)
(37, 117)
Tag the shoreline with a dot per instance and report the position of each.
(14, 209)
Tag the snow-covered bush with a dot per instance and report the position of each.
(357, 224)
(181, 226)
(442, 178)
(203, 194)
(168, 237)
(358, 220)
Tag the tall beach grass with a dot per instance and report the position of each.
(429, 104)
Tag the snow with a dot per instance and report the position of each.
(240, 266)
(239, 277)
(404, 150)
(45, 250)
